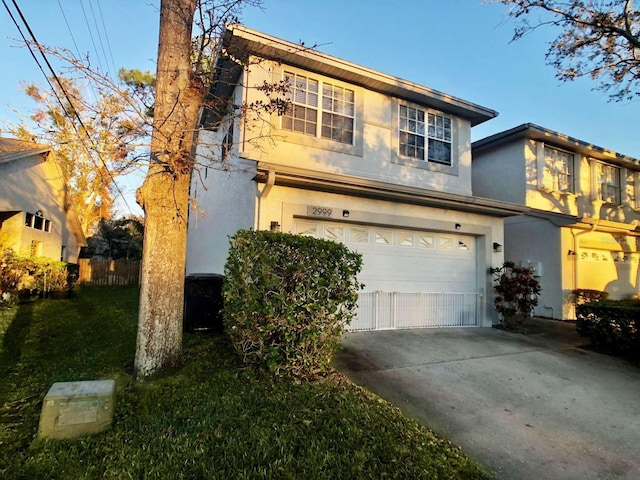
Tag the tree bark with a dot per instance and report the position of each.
(164, 195)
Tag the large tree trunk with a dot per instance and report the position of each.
(164, 194)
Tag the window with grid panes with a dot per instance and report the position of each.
(558, 170)
(608, 178)
(315, 102)
(424, 136)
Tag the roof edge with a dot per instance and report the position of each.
(536, 132)
(298, 55)
(363, 187)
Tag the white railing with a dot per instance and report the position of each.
(387, 310)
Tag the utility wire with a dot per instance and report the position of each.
(35, 58)
(104, 54)
(55, 76)
(69, 28)
(86, 20)
(106, 36)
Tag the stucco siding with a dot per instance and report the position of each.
(223, 203)
(30, 185)
(535, 242)
(373, 154)
(500, 173)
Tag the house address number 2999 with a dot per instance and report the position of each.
(319, 211)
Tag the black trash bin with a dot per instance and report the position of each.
(203, 303)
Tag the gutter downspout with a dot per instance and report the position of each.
(264, 193)
(576, 248)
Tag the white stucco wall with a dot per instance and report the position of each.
(500, 173)
(223, 202)
(373, 155)
(31, 184)
(538, 241)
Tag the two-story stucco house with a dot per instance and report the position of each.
(360, 157)
(581, 231)
(35, 216)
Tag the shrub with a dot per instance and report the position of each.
(516, 291)
(585, 295)
(287, 299)
(25, 276)
(611, 326)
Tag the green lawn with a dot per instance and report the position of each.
(211, 419)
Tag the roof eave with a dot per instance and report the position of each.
(266, 46)
(366, 188)
(538, 133)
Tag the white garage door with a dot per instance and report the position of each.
(412, 279)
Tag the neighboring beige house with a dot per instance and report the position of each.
(360, 157)
(35, 217)
(582, 227)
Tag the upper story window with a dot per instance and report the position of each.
(37, 221)
(424, 136)
(319, 103)
(607, 179)
(558, 170)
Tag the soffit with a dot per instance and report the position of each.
(361, 187)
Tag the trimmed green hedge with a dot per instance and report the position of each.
(287, 299)
(611, 326)
(586, 295)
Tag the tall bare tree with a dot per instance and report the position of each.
(182, 82)
(599, 39)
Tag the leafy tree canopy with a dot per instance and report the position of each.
(98, 135)
(117, 239)
(599, 39)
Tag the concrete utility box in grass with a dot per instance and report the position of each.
(72, 409)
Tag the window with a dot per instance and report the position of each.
(608, 183)
(424, 136)
(558, 170)
(383, 237)
(314, 102)
(359, 235)
(404, 239)
(37, 221)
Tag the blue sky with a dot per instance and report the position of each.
(460, 47)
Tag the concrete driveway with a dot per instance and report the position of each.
(525, 406)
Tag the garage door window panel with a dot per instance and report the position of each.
(308, 229)
(405, 239)
(427, 241)
(383, 238)
(334, 233)
(359, 235)
(445, 243)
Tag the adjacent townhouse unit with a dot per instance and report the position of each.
(360, 157)
(35, 216)
(581, 230)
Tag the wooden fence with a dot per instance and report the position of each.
(109, 272)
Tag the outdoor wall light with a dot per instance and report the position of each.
(497, 247)
(345, 213)
(458, 226)
(275, 227)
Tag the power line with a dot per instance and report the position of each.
(34, 56)
(86, 21)
(106, 36)
(69, 28)
(104, 54)
(63, 90)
